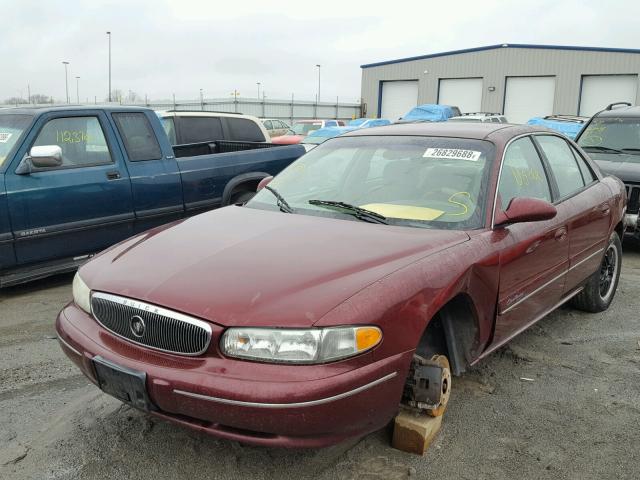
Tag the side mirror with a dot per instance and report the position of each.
(46, 156)
(525, 209)
(263, 183)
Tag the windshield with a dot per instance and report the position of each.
(423, 182)
(612, 136)
(12, 127)
(305, 128)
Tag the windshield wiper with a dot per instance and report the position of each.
(283, 205)
(358, 212)
(600, 148)
(632, 150)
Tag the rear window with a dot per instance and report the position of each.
(200, 129)
(244, 130)
(138, 137)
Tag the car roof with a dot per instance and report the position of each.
(620, 112)
(472, 130)
(203, 113)
(39, 110)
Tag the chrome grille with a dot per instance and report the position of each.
(161, 329)
(633, 198)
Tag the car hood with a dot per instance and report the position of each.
(287, 139)
(626, 167)
(244, 266)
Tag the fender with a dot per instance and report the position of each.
(239, 180)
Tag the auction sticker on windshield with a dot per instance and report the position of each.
(453, 153)
(4, 137)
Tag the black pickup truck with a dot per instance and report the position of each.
(75, 180)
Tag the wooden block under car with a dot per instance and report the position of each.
(413, 432)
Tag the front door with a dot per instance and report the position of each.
(78, 208)
(534, 258)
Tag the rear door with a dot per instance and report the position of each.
(534, 262)
(156, 184)
(78, 208)
(585, 199)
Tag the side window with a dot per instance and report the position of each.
(269, 125)
(81, 139)
(139, 140)
(281, 124)
(200, 129)
(244, 130)
(563, 164)
(170, 129)
(587, 173)
(522, 174)
(331, 123)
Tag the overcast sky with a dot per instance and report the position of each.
(161, 47)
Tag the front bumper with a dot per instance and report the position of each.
(271, 405)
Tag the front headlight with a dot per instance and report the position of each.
(314, 345)
(81, 294)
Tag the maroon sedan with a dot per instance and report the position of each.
(358, 279)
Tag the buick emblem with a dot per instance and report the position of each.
(137, 326)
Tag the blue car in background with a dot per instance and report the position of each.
(323, 134)
(569, 125)
(430, 112)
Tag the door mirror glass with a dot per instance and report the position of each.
(46, 156)
(263, 183)
(524, 209)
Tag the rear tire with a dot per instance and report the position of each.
(601, 287)
(241, 197)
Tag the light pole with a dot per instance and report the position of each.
(109, 35)
(258, 84)
(318, 82)
(78, 90)
(66, 79)
(201, 100)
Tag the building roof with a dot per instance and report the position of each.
(503, 45)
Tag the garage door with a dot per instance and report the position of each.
(464, 93)
(527, 97)
(398, 98)
(598, 91)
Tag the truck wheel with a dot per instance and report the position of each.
(601, 287)
(241, 197)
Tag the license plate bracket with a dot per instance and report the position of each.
(125, 384)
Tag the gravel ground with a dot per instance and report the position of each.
(578, 419)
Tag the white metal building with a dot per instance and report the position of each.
(521, 81)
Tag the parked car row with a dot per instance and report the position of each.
(306, 314)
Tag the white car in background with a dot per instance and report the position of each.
(183, 127)
(275, 127)
(480, 117)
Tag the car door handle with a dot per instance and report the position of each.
(113, 175)
(605, 209)
(560, 234)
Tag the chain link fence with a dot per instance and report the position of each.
(287, 110)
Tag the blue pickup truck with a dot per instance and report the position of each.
(75, 180)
